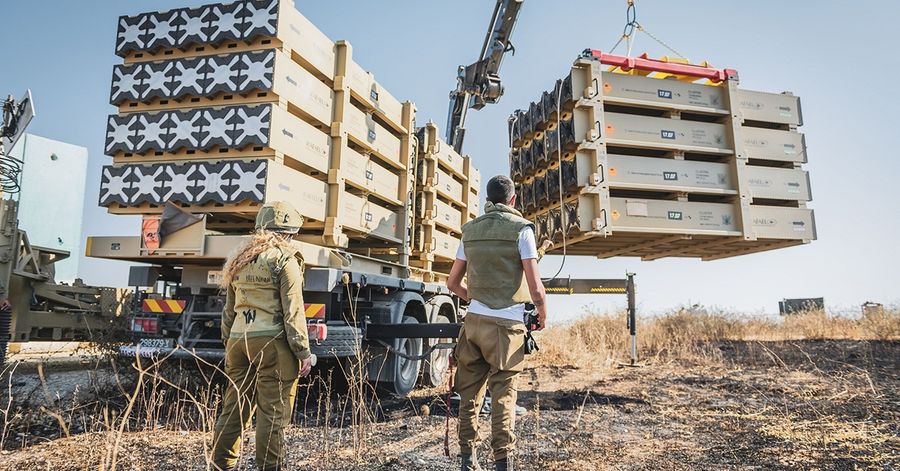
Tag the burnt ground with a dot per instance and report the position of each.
(760, 405)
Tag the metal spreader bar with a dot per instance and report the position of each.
(602, 286)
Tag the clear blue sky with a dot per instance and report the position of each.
(839, 57)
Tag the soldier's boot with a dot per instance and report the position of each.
(505, 464)
(469, 463)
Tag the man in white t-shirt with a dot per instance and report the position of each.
(498, 257)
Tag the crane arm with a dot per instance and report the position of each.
(479, 83)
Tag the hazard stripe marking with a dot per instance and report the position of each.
(172, 306)
(314, 310)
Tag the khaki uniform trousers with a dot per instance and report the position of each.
(490, 353)
(262, 378)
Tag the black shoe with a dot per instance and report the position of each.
(469, 463)
(506, 464)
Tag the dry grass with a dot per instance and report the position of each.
(692, 334)
(772, 386)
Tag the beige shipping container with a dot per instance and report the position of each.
(771, 222)
(308, 43)
(783, 108)
(636, 215)
(673, 217)
(774, 144)
(366, 89)
(366, 132)
(303, 191)
(265, 129)
(276, 78)
(669, 93)
(228, 186)
(778, 183)
(364, 173)
(301, 90)
(446, 216)
(645, 131)
(442, 244)
(646, 173)
(473, 175)
(671, 175)
(365, 216)
(431, 146)
(683, 167)
(292, 31)
(448, 186)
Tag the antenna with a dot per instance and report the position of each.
(16, 118)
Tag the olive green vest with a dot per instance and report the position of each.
(494, 273)
(257, 295)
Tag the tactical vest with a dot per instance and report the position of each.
(257, 295)
(494, 273)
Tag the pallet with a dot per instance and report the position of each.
(657, 246)
(264, 76)
(215, 133)
(586, 216)
(276, 24)
(209, 186)
(418, 272)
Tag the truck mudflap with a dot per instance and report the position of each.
(341, 341)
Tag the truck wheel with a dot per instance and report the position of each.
(438, 363)
(406, 372)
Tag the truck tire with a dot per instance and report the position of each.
(406, 372)
(434, 372)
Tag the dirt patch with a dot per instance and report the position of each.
(763, 405)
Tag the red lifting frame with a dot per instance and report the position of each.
(653, 65)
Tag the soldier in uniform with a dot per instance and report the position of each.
(498, 257)
(265, 336)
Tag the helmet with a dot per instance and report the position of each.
(279, 216)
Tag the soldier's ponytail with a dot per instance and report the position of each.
(245, 253)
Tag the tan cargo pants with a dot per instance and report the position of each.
(490, 353)
(262, 377)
